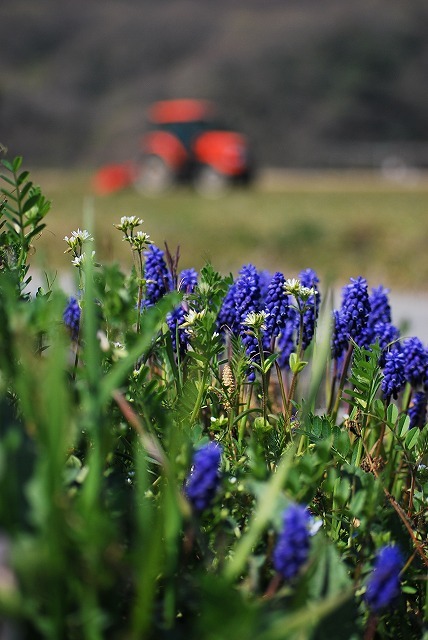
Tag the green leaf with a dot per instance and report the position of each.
(8, 180)
(9, 195)
(391, 414)
(25, 189)
(269, 361)
(296, 365)
(16, 163)
(31, 202)
(342, 443)
(378, 408)
(22, 177)
(7, 164)
(412, 438)
(403, 425)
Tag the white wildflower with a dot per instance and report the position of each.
(128, 222)
(192, 317)
(293, 287)
(80, 261)
(256, 320)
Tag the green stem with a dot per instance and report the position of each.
(264, 379)
(140, 290)
(342, 380)
(281, 387)
(201, 392)
(243, 416)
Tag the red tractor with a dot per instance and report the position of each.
(184, 144)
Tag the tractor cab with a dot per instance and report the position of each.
(186, 143)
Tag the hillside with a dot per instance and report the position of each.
(313, 83)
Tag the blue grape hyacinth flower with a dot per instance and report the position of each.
(287, 339)
(355, 309)
(339, 337)
(174, 320)
(380, 309)
(276, 306)
(418, 410)
(204, 478)
(308, 278)
(71, 317)
(383, 586)
(393, 374)
(416, 360)
(156, 275)
(187, 280)
(292, 548)
(227, 317)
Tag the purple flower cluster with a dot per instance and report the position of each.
(204, 478)
(292, 548)
(394, 378)
(174, 320)
(158, 283)
(247, 300)
(156, 275)
(287, 339)
(253, 291)
(276, 306)
(383, 586)
(71, 317)
(416, 362)
(355, 308)
(418, 410)
(308, 278)
(187, 280)
(366, 319)
(380, 309)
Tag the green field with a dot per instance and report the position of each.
(341, 225)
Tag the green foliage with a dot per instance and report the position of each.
(96, 441)
(23, 209)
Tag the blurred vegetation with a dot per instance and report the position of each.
(313, 84)
(342, 225)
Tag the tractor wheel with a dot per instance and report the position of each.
(210, 183)
(154, 176)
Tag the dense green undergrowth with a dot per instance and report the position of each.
(101, 414)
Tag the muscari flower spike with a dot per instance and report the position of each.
(387, 335)
(383, 586)
(247, 299)
(71, 317)
(227, 317)
(187, 280)
(394, 376)
(287, 339)
(204, 478)
(156, 275)
(309, 279)
(418, 410)
(339, 338)
(292, 548)
(175, 321)
(380, 309)
(415, 361)
(276, 306)
(355, 308)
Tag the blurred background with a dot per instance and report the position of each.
(314, 84)
(332, 95)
